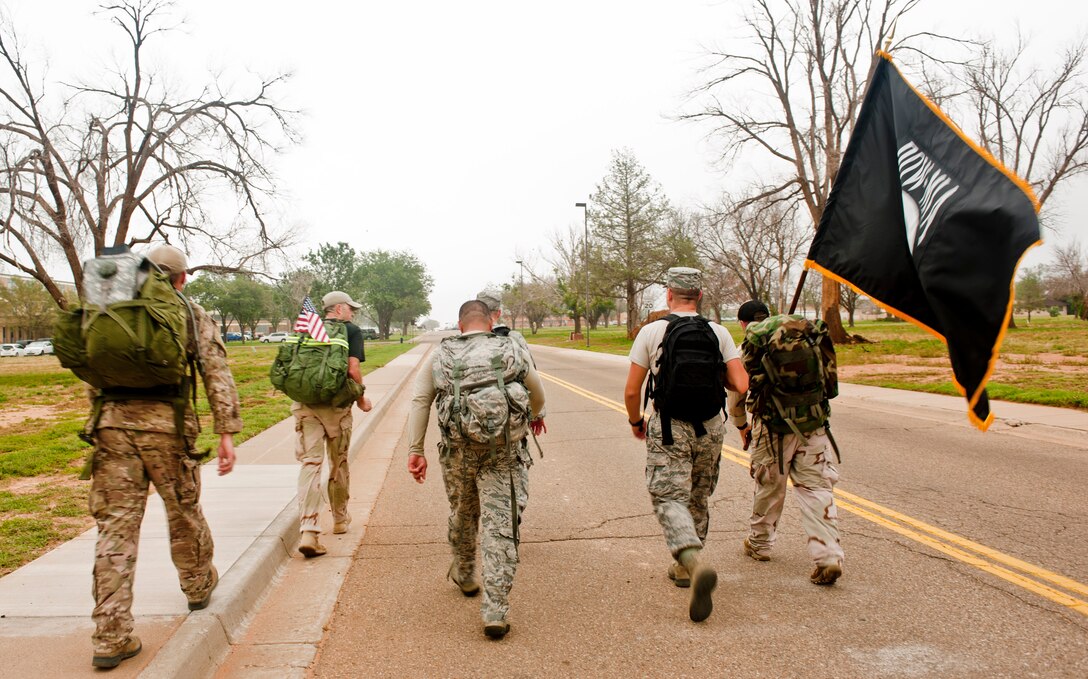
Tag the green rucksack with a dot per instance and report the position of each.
(316, 373)
(131, 332)
(792, 374)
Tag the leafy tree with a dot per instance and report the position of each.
(246, 300)
(1030, 292)
(29, 305)
(209, 291)
(333, 266)
(390, 281)
(628, 219)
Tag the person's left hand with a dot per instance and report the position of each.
(538, 427)
(226, 454)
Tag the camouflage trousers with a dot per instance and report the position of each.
(808, 465)
(124, 462)
(681, 478)
(478, 485)
(321, 431)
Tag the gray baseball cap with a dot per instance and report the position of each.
(337, 297)
(684, 278)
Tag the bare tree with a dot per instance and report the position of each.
(126, 162)
(1070, 270)
(812, 59)
(850, 299)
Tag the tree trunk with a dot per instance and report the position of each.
(829, 310)
(632, 307)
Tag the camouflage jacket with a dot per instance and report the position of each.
(157, 416)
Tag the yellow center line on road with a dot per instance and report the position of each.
(940, 540)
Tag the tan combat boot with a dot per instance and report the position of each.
(200, 604)
(131, 648)
(703, 581)
(309, 546)
(496, 629)
(341, 527)
(826, 575)
(749, 550)
(679, 575)
(468, 586)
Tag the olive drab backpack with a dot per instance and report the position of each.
(480, 392)
(132, 329)
(792, 374)
(689, 384)
(313, 372)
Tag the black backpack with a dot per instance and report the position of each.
(689, 383)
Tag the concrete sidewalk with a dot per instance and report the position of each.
(45, 606)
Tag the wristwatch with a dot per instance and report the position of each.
(637, 423)
(744, 426)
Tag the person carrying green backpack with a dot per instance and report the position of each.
(139, 343)
(319, 371)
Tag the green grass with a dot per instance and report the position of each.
(1057, 381)
(40, 515)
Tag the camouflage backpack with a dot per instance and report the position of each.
(316, 373)
(130, 335)
(792, 373)
(481, 395)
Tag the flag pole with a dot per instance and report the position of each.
(865, 92)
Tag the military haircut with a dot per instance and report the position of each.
(688, 295)
(473, 310)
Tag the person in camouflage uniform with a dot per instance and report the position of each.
(322, 430)
(681, 477)
(479, 480)
(493, 300)
(137, 442)
(805, 460)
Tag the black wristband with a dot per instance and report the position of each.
(640, 422)
(743, 426)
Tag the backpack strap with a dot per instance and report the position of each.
(458, 372)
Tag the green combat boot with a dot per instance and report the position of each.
(200, 604)
(309, 546)
(703, 581)
(496, 629)
(826, 575)
(679, 575)
(131, 648)
(468, 586)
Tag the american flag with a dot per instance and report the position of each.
(309, 321)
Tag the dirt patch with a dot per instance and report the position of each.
(32, 484)
(10, 416)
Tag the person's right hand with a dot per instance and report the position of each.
(746, 436)
(364, 404)
(639, 430)
(417, 467)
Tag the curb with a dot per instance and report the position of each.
(205, 638)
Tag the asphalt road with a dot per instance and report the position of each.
(965, 557)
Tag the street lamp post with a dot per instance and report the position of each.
(585, 215)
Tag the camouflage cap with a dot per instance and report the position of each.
(492, 299)
(684, 278)
(168, 258)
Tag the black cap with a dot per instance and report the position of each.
(752, 311)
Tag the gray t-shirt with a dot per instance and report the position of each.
(647, 347)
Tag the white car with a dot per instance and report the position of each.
(40, 348)
(11, 350)
(276, 337)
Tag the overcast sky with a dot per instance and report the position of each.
(464, 132)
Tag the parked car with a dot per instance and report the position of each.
(11, 350)
(369, 333)
(39, 348)
(276, 337)
(246, 337)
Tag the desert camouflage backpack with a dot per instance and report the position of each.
(481, 396)
(130, 335)
(792, 374)
(316, 373)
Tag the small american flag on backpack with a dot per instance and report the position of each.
(309, 321)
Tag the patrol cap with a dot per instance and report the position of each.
(492, 299)
(336, 297)
(168, 258)
(684, 278)
(753, 310)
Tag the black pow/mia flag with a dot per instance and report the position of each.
(929, 226)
